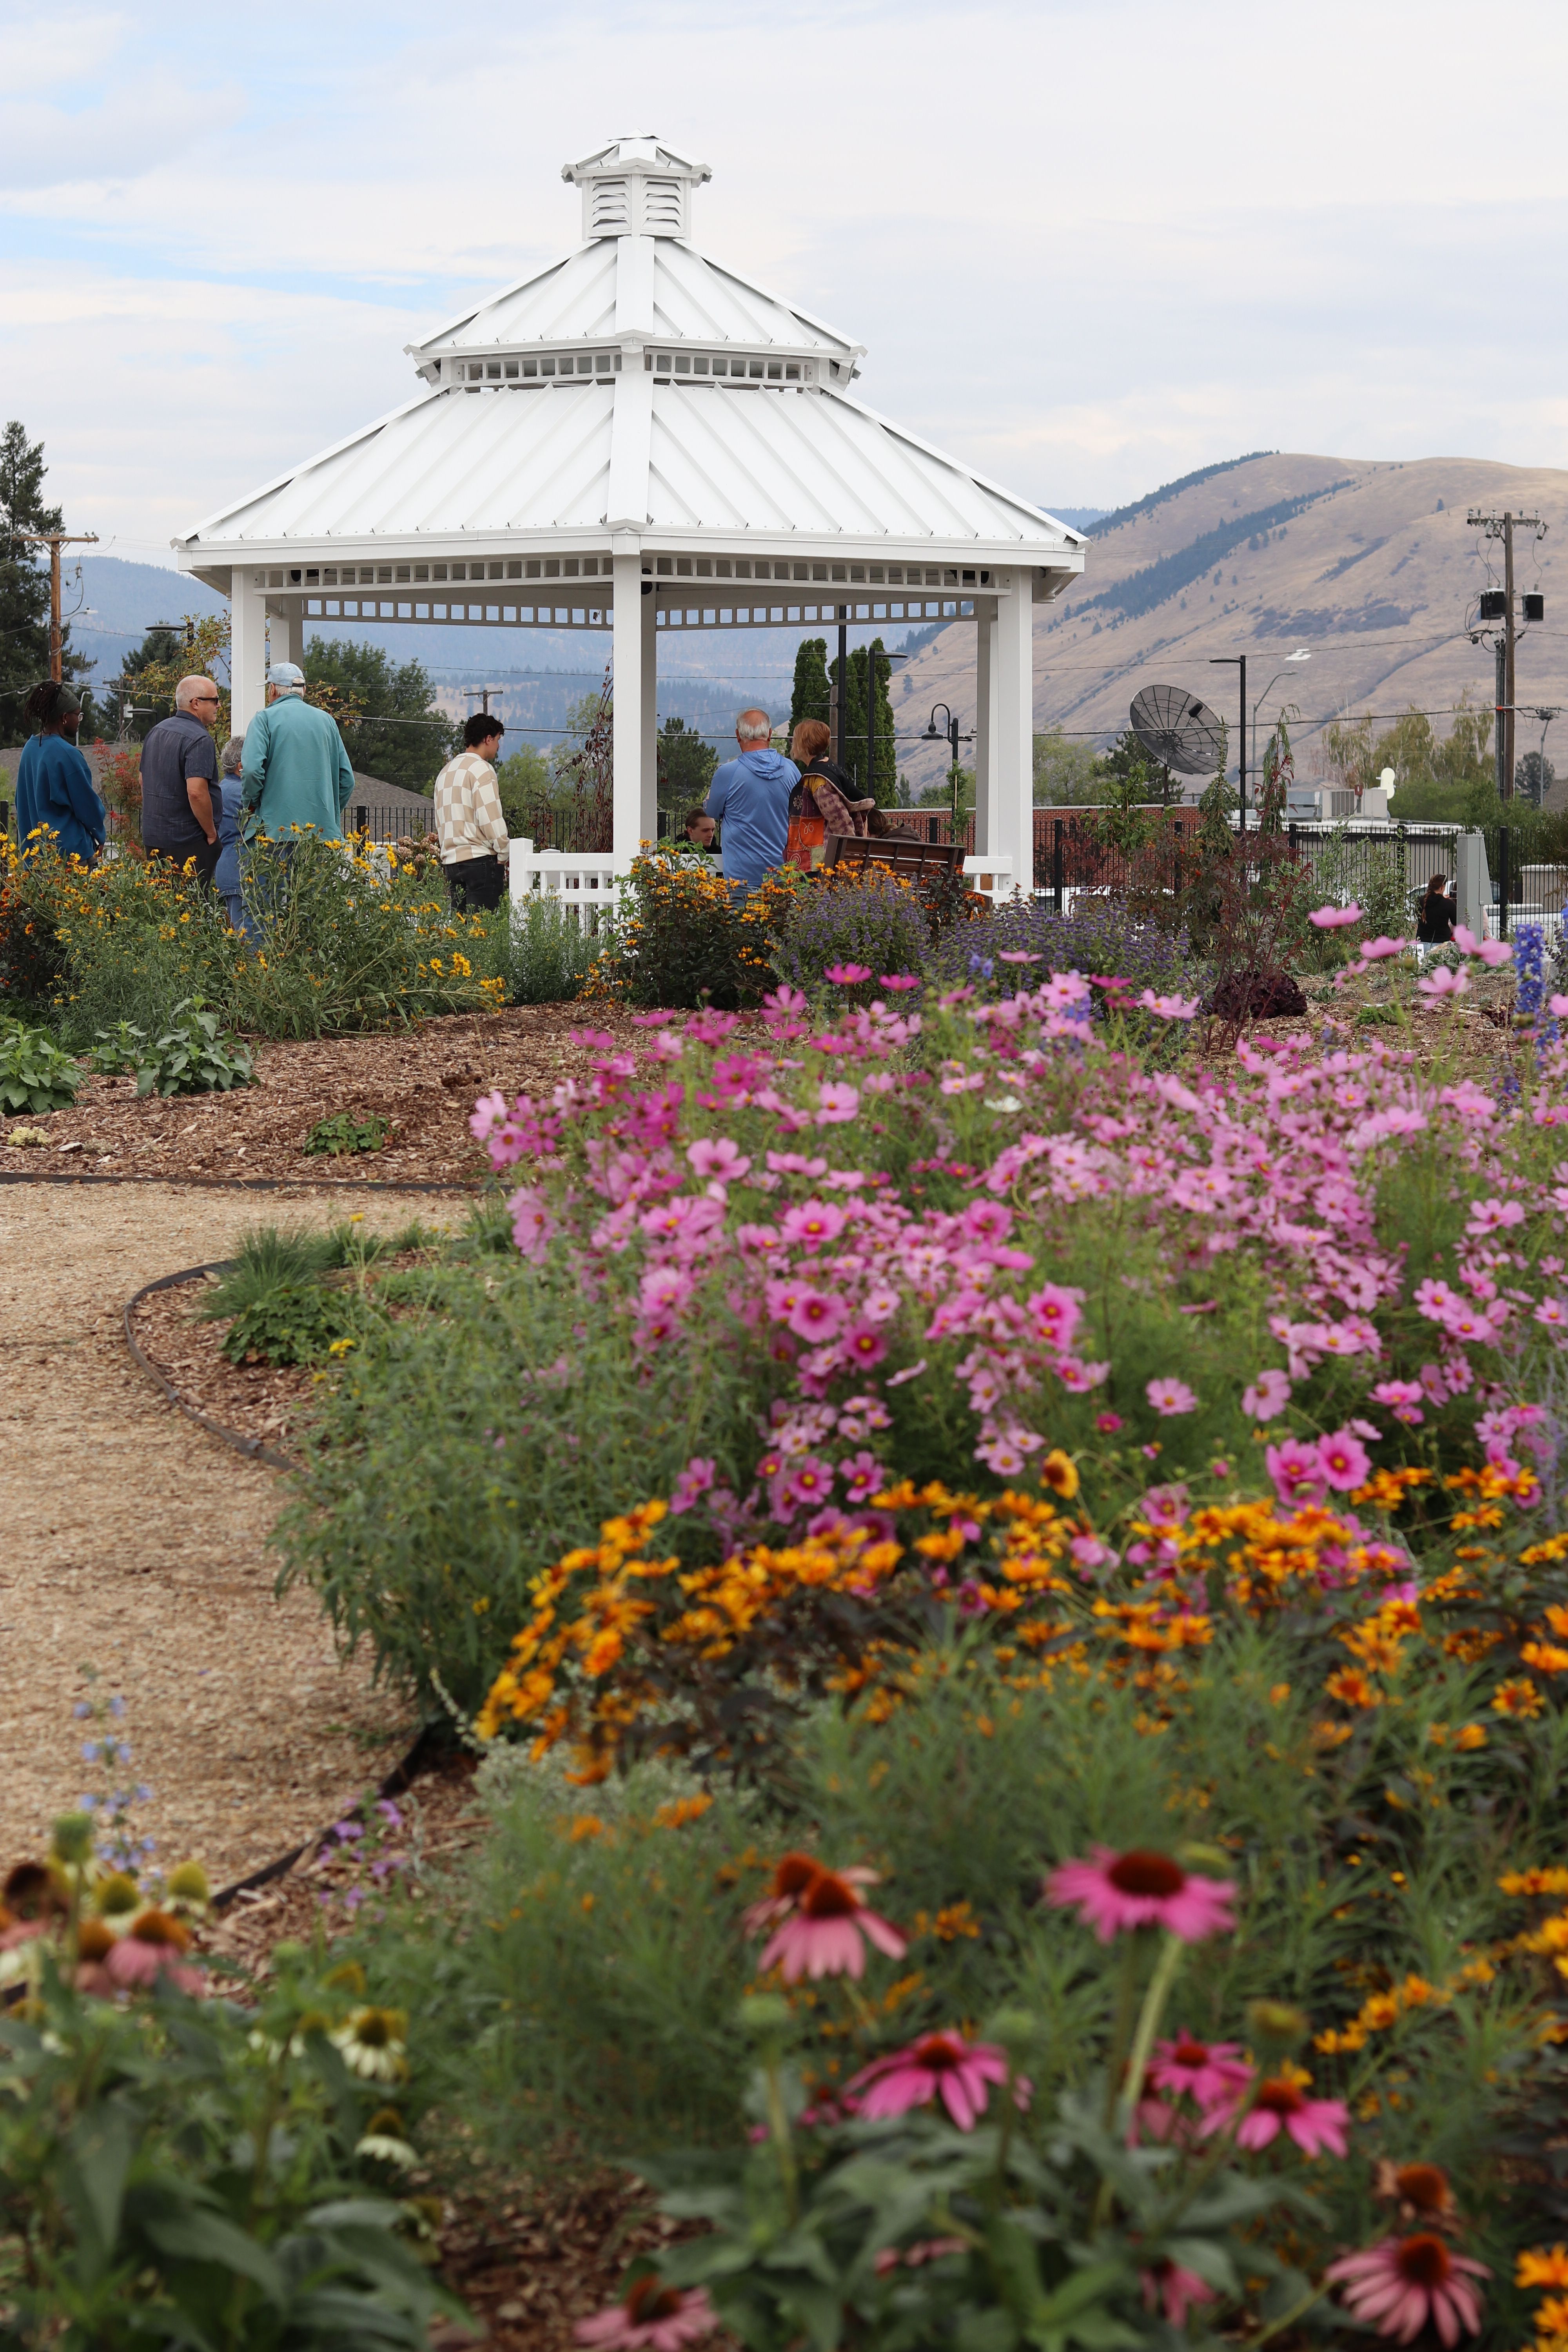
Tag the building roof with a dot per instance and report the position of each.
(635, 386)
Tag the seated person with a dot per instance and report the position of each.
(822, 803)
(701, 830)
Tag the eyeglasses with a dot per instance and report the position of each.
(205, 697)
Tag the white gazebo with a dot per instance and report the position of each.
(638, 440)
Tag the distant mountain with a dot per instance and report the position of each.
(1075, 518)
(1369, 567)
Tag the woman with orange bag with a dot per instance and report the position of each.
(820, 803)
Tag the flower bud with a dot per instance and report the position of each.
(1276, 2025)
(765, 2016)
(1017, 2031)
(1194, 1856)
(73, 1839)
(188, 1883)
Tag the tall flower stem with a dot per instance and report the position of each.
(1154, 2000)
(1126, 1993)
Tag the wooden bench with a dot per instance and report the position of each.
(898, 851)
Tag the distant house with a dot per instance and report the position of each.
(385, 811)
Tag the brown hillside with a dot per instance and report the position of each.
(1370, 577)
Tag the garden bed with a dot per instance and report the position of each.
(425, 1081)
(256, 1401)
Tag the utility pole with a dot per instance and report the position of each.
(54, 540)
(1503, 525)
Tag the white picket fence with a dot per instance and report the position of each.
(989, 877)
(583, 883)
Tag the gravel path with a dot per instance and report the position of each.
(132, 1542)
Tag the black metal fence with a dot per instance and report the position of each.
(387, 824)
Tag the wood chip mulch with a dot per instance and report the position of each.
(259, 1400)
(424, 1080)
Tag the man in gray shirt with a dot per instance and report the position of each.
(179, 779)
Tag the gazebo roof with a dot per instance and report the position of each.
(635, 386)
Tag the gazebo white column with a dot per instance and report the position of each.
(649, 709)
(1013, 725)
(986, 815)
(635, 793)
(283, 639)
(247, 648)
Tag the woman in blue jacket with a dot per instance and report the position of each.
(54, 783)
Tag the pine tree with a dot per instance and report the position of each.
(24, 580)
(809, 699)
(884, 786)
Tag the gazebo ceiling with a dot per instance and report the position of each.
(636, 393)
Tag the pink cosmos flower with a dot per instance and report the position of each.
(1169, 1008)
(822, 1936)
(1296, 1470)
(1333, 919)
(718, 1157)
(1343, 1459)
(1553, 1312)
(1016, 955)
(816, 1315)
(1170, 1397)
(1167, 2285)
(1281, 2105)
(489, 1111)
(532, 1224)
(849, 975)
(1404, 2283)
(653, 2318)
(1492, 1216)
(1444, 983)
(837, 1103)
(864, 1344)
(961, 2072)
(693, 1482)
(1490, 952)
(1079, 1379)
(1107, 1424)
(1378, 950)
(1141, 1889)
(814, 1222)
(1057, 1312)
(1268, 1397)
(1211, 2073)
(898, 981)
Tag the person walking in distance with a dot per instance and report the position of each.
(748, 797)
(179, 781)
(470, 826)
(296, 774)
(53, 781)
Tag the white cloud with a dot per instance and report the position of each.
(1088, 244)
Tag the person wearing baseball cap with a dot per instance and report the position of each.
(296, 771)
(53, 781)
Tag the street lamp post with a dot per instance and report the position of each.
(933, 734)
(1300, 655)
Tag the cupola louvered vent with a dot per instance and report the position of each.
(662, 208)
(611, 208)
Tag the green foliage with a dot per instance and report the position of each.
(192, 1058)
(187, 2172)
(683, 937)
(810, 695)
(538, 950)
(523, 781)
(34, 1074)
(343, 1134)
(884, 785)
(409, 753)
(295, 1323)
(1067, 774)
(851, 915)
(436, 1499)
(686, 765)
(118, 1051)
(25, 580)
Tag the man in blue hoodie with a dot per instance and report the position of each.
(750, 798)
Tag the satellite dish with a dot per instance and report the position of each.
(1179, 730)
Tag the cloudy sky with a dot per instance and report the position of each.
(1091, 244)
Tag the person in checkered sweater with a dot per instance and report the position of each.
(468, 821)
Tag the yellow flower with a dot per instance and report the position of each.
(1543, 2266)
(1470, 1736)
(1519, 1697)
(1351, 1689)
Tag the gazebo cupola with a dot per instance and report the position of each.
(639, 439)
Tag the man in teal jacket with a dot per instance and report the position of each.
(296, 771)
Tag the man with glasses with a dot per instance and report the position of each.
(179, 779)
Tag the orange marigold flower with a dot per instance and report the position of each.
(1551, 1881)
(1518, 1698)
(1059, 1473)
(1545, 1657)
(1543, 2266)
(1351, 1689)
